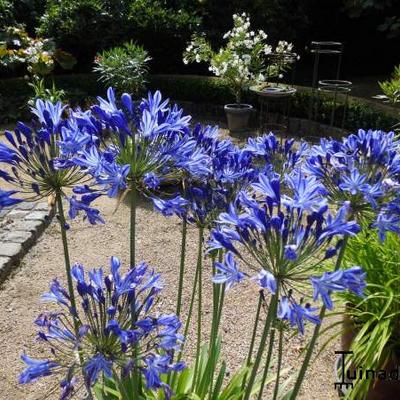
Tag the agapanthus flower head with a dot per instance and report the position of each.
(281, 239)
(205, 196)
(352, 279)
(116, 319)
(362, 169)
(141, 146)
(276, 156)
(31, 153)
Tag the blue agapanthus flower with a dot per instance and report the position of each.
(115, 321)
(204, 196)
(31, 154)
(362, 169)
(139, 146)
(281, 231)
(228, 272)
(276, 156)
(352, 279)
(6, 200)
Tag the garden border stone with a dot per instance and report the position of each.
(20, 227)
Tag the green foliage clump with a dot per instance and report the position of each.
(391, 88)
(376, 317)
(6, 13)
(89, 26)
(124, 68)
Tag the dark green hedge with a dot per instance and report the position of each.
(82, 88)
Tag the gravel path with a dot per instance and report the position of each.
(158, 243)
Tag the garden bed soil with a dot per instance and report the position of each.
(158, 241)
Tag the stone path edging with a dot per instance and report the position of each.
(20, 227)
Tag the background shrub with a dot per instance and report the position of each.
(163, 27)
(88, 26)
(124, 68)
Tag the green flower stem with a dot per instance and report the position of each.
(221, 306)
(133, 206)
(254, 334)
(181, 277)
(278, 371)
(267, 363)
(120, 385)
(61, 218)
(181, 268)
(220, 296)
(200, 301)
(216, 290)
(313, 340)
(256, 321)
(189, 315)
(218, 304)
(271, 314)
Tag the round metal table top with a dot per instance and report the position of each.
(273, 91)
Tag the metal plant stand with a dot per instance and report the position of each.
(274, 105)
(335, 91)
(274, 98)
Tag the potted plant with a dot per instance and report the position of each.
(371, 325)
(241, 63)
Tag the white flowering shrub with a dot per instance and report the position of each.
(243, 61)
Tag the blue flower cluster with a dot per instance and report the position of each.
(140, 146)
(108, 334)
(204, 196)
(276, 156)
(284, 226)
(268, 204)
(363, 169)
(31, 152)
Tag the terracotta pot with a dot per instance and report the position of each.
(380, 389)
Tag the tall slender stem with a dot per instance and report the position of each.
(221, 298)
(278, 368)
(190, 313)
(215, 290)
(132, 242)
(200, 301)
(61, 218)
(314, 337)
(181, 268)
(220, 307)
(267, 363)
(256, 321)
(133, 204)
(218, 304)
(268, 321)
(254, 334)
